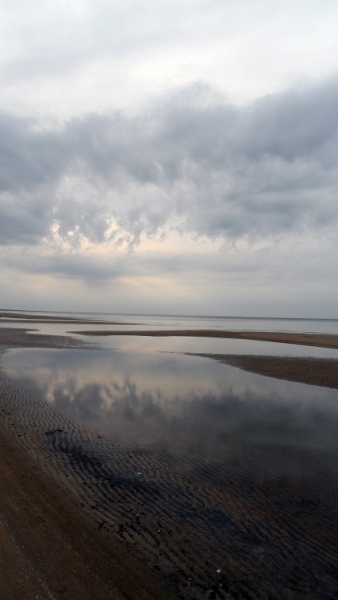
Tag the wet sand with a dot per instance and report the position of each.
(72, 526)
(49, 549)
(302, 339)
(28, 338)
(314, 371)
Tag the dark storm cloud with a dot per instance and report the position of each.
(192, 160)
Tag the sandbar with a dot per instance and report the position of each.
(321, 340)
(314, 371)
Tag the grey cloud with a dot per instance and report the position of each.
(291, 125)
(29, 157)
(191, 159)
(24, 219)
(68, 265)
(84, 268)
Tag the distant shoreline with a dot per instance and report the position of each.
(17, 313)
(13, 317)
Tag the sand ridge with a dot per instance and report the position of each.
(303, 339)
(314, 371)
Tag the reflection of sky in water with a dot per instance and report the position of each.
(182, 403)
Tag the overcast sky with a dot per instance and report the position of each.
(169, 157)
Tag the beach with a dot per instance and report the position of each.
(57, 544)
(49, 550)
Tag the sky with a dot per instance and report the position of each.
(174, 157)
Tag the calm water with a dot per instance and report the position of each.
(129, 395)
(231, 477)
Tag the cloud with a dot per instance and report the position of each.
(190, 162)
(97, 54)
(73, 266)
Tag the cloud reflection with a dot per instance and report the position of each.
(203, 410)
